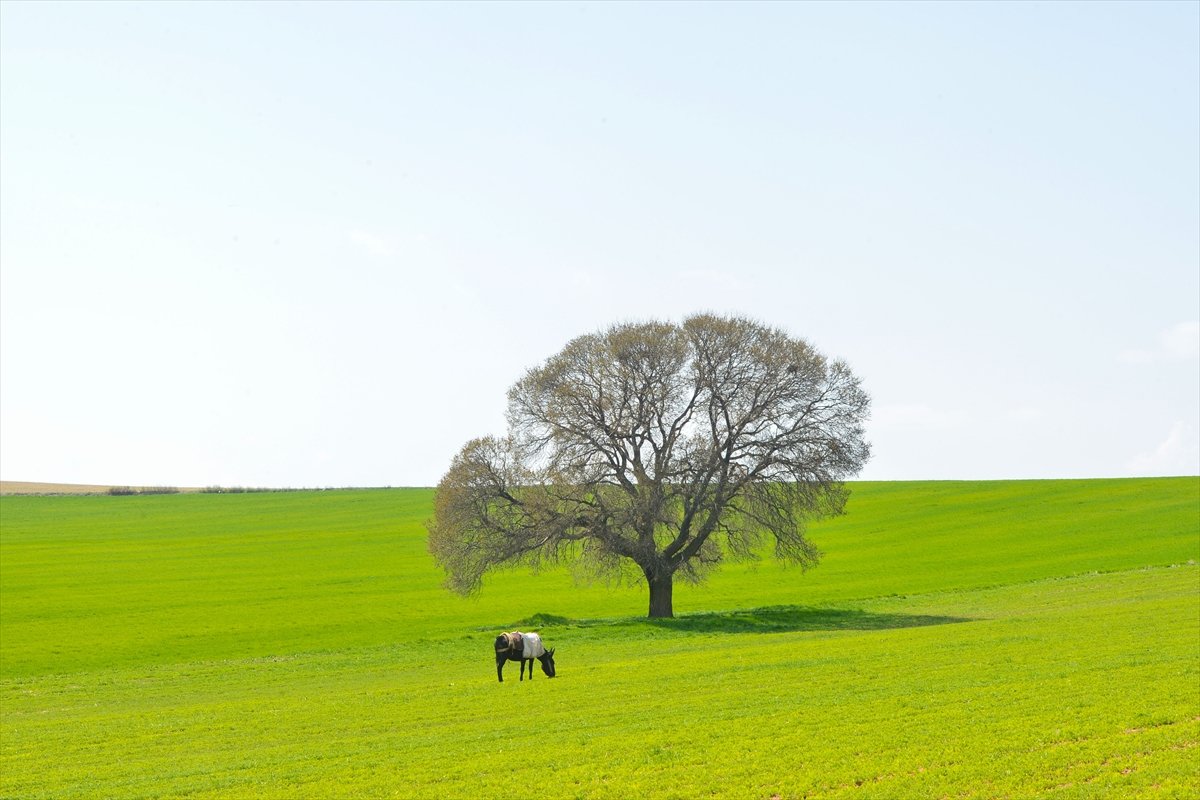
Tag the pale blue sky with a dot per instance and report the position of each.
(313, 244)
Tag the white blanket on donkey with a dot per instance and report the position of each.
(532, 646)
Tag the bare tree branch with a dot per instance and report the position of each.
(670, 446)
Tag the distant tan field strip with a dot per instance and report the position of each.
(24, 487)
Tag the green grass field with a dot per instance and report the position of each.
(998, 639)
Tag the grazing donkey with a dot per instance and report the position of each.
(523, 647)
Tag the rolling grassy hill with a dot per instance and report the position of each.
(958, 639)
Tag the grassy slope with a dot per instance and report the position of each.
(298, 644)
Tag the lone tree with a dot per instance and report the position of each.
(665, 447)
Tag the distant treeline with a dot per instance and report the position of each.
(134, 490)
(128, 490)
(243, 489)
(250, 489)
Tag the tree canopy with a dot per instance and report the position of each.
(658, 447)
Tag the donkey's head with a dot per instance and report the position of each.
(547, 663)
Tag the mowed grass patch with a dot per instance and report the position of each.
(925, 536)
(1075, 687)
(102, 581)
(321, 657)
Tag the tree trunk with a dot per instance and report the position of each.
(660, 595)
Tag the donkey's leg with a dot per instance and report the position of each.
(500, 668)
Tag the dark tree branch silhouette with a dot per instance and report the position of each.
(668, 447)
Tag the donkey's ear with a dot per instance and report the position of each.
(551, 651)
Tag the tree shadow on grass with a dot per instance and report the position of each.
(768, 619)
(787, 619)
